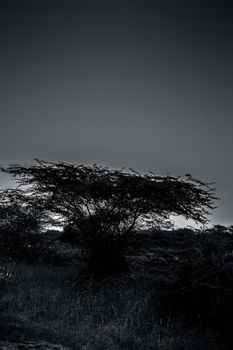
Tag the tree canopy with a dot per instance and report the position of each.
(114, 197)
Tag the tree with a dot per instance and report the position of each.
(108, 206)
(16, 215)
(19, 225)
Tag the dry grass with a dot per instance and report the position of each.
(43, 302)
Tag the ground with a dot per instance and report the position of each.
(58, 305)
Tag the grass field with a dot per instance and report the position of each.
(55, 304)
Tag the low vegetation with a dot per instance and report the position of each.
(176, 294)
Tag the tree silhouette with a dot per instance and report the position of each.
(19, 225)
(108, 206)
(15, 216)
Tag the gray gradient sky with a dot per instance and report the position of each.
(142, 84)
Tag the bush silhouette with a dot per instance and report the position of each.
(199, 279)
(19, 229)
(71, 235)
(109, 206)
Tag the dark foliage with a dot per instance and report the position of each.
(19, 229)
(108, 206)
(16, 218)
(72, 235)
(195, 275)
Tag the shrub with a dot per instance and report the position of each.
(72, 235)
(199, 279)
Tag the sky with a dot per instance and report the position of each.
(141, 84)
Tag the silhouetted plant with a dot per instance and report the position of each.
(72, 235)
(108, 206)
(19, 226)
(15, 218)
(198, 278)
